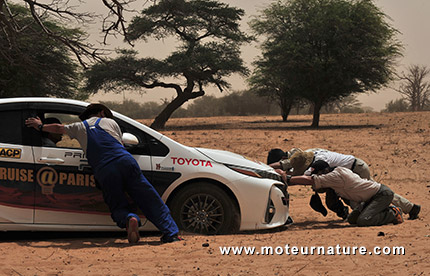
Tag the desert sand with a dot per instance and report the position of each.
(396, 146)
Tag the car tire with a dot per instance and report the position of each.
(205, 208)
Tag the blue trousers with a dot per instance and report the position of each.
(123, 176)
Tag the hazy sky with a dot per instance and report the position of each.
(410, 17)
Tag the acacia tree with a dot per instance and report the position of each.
(38, 65)
(268, 80)
(209, 40)
(415, 88)
(329, 49)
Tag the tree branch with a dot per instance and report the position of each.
(116, 9)
(113, 23)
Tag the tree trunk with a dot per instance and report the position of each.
(285, 105)
(161, 119)
(316, 117)
(414, 102)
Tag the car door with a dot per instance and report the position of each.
(17, 172)
(66, 192)
(149, 153)
(141, 151)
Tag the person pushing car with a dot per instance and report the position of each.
(349, 185)
(116, 171)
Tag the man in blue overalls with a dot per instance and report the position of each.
(116, 171)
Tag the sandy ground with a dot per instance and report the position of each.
(396, 146)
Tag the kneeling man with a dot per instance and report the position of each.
(376, 197)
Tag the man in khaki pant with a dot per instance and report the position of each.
(300, 162)
(375, 196)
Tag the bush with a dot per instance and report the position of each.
(399, 105)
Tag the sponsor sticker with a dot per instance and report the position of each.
(158, 167)
(191, 162)
(10, 153)
(48, 177)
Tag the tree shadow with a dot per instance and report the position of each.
(280, 121)
(266, 126)
(198, 127)
(329, 127)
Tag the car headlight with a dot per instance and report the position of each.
(255, 172)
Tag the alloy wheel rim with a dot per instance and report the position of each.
(202, 213)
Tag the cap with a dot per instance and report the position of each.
(300, 161)
(95, 108)
(319, 165)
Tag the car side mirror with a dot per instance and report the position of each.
(129, 139)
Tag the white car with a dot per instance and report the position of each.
(51, 187)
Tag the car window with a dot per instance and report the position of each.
(57, 140)
(69, 114)
(147, 144)
(64, 119)
(11, 125)
(64, 113)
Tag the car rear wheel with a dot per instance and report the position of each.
(205, 208)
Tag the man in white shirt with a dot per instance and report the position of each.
(334, 159)
(300, 161)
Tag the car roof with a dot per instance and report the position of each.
(149, 130)
(42, 100)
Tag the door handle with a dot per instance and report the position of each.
(47, 160)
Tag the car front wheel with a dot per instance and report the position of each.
(205, 208)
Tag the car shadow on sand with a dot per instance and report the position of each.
(305, 225)
(316, 225)
(79, 240)
(76, 240)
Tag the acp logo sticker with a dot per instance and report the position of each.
(10, 153)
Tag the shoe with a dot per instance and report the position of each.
(413, 214)
(398, 218)
(133, 230)
(174, 238)
(353, 216)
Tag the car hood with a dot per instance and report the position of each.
(226, 157)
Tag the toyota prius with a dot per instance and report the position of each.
(50, 186)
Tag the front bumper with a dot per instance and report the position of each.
(272, 212)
